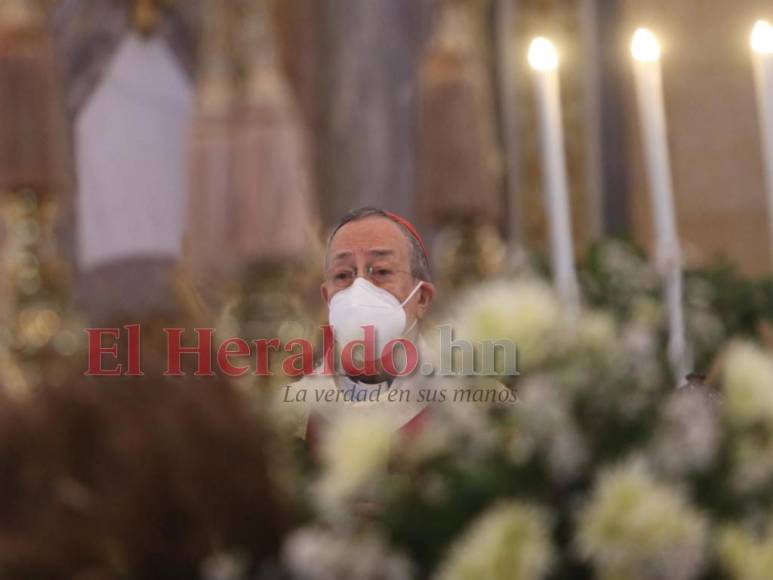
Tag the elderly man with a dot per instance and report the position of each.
(376, 275)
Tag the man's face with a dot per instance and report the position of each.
(377, 249)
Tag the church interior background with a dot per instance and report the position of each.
(180, 163)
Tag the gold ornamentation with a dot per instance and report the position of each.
(468, 254)
(38, 339)
(147, 14)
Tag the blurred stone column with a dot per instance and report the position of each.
(369, 91)
(613, 68)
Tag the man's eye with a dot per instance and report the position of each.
(382, 272)
(343, 275)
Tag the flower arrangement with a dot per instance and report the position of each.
(604, 469)
(720, 303)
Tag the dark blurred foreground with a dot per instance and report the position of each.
(134, 478)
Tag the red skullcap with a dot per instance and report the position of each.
(410, 227)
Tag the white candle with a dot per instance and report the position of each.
(649, 91)
(544, 60)
(762, 55)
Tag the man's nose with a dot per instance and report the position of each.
(362, 266)
(365, 270)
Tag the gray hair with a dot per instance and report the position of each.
(419, 263)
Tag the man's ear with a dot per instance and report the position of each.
(323, 291)
(427, 294)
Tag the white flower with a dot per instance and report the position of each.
(748, 374)
(752, 462)
(629, 272)
(637, 528)
(525, 312)
(462, 424)
(748, 407)
(646, 311)
(511, 541)
(745, 556)
(596, 333)
(355, 452)
(549, 424)
(637, 356)
(687, 437)
(320, 554)
(704, 327)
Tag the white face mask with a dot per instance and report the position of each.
(363, 304)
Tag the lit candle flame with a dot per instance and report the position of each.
(644, 46)
(543, 54)
(762, 37)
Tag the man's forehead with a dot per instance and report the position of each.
(372, 252)
(372, 235)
